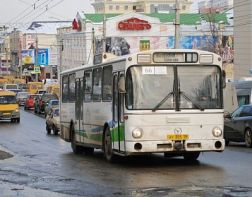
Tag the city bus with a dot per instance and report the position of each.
(161, 101)
(33, 87)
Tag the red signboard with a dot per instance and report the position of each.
(134, 24)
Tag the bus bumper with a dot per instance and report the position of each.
(139, 147)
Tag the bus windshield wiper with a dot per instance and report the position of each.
(190, 100)
(163, 100)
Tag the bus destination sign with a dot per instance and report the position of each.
(165, 57)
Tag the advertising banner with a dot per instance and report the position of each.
(28, 56)
(43, 57)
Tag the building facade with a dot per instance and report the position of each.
(207, 6)
(243, 39)
(144, 6)
(158, 32)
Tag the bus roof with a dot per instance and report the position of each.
(123, 58)
(7, 93)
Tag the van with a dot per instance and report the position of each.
(9, 108)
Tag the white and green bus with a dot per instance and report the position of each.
(162, 101)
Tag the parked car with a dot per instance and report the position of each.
(42, 102)
(238, 125)
(51, 105)
(52, 121)
(30, 101)
(21, 97)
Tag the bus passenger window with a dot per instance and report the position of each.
(87, 86)
(107, 84)
(97, 79)
(72, 87)
(64, 89)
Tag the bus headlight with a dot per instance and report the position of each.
(16, 110)
(217, 132)
(137, 133)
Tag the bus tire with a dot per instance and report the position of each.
(248, 138)
(18, 120)
(75, 148)
(107, 146)
(191, 156)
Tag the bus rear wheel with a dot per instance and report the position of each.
(191, 156)
(107, 143)
(76, 148)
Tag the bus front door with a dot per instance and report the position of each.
(118, 136)
(79, 110)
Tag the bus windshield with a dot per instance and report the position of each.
(153, 87)
(7, 100)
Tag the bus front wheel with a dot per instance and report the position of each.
(191, 156)
(107, 143)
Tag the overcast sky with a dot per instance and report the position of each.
(13, 12)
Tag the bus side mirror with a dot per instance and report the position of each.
(224, 79)
(121, 85)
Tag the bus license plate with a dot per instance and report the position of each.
(178, 137)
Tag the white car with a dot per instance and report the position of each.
(53, 121)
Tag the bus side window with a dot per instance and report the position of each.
(107, 83)
(87, 85)
(72, 87)
(65, 89)
(97, 80)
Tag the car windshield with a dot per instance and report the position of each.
(55, 102)
(152, 87)
(47, 97)
(22, 94)
(8, 100)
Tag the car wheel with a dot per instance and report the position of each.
(107, 143)
(55, 130)
(76, 148)
(48, 129)
(191, 156)
(248, 138)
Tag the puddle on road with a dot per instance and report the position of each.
(5, 155)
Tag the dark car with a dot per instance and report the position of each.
(238, 125)
(42, 102)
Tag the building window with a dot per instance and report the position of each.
(111, 7)
(117, 7)
(126, 7)
(183, 7)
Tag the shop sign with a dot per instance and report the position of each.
(134, 24)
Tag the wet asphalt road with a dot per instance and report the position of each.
(44, 165)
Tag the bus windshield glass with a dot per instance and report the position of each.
(7, 100)
(153, 87)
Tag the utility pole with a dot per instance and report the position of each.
(104, 27)
(177, 24)
(36, 56)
